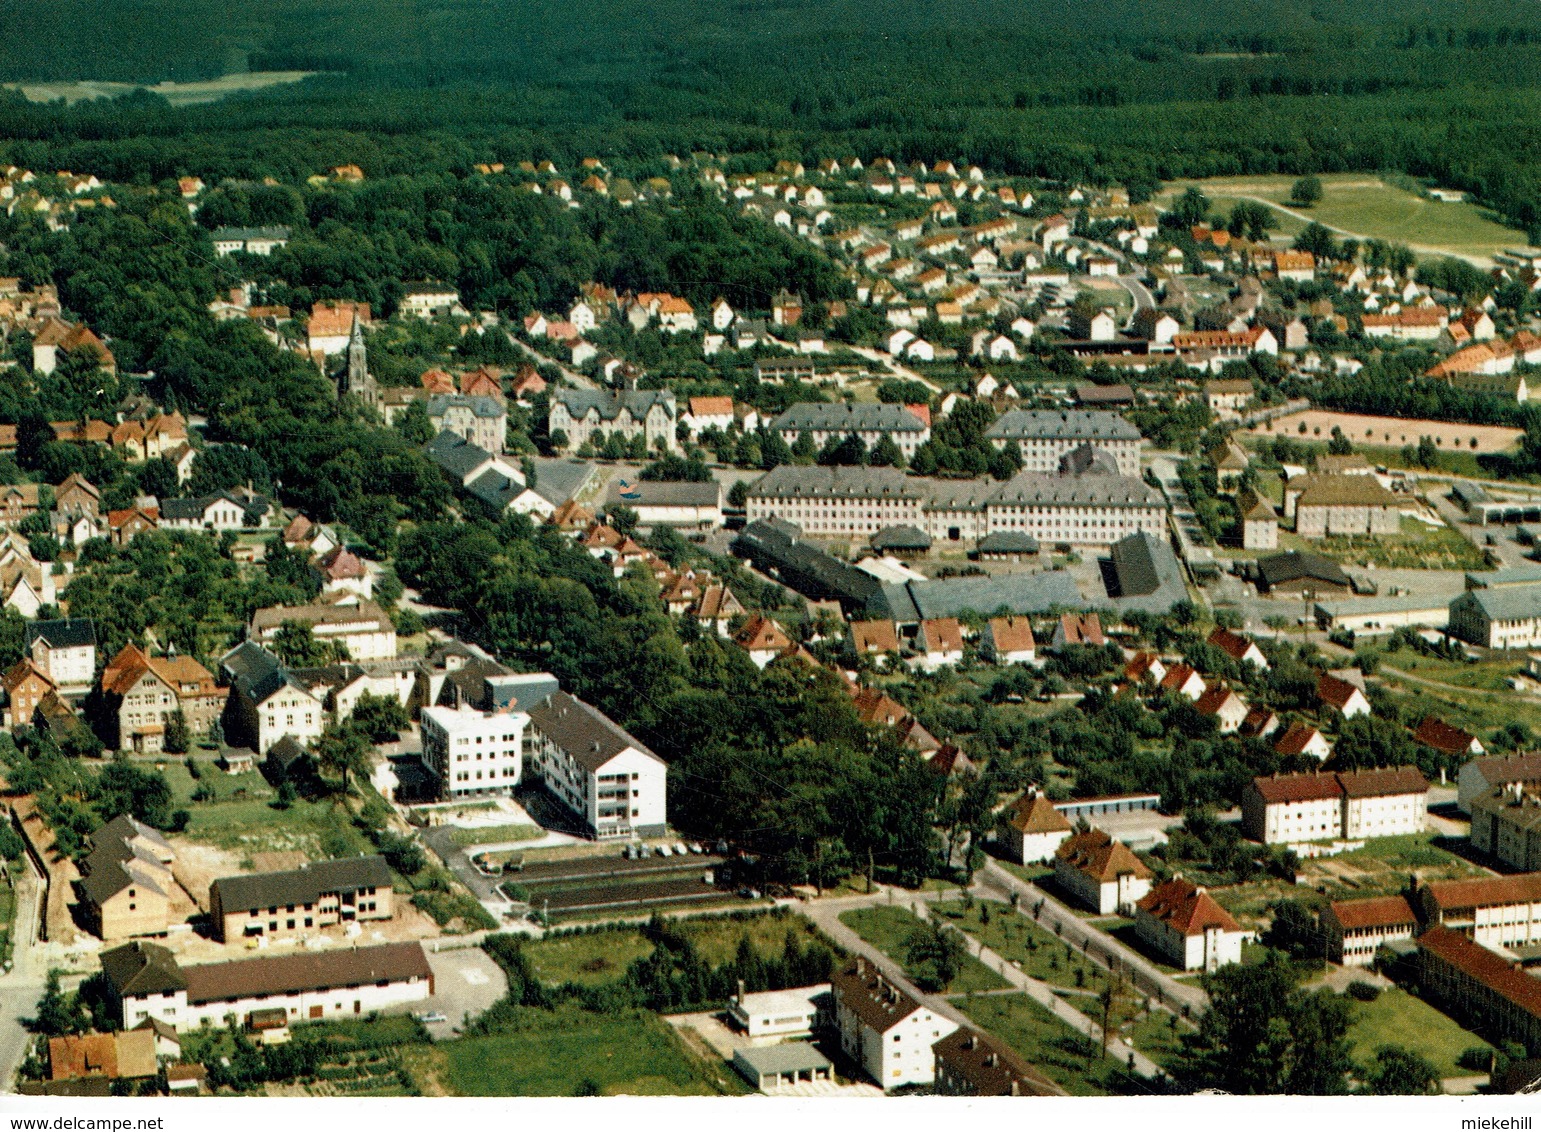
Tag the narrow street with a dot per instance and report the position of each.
(22, 985)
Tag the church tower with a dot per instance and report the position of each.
(356, 379)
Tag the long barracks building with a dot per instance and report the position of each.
(1096, 508)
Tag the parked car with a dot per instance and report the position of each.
(430, 1017)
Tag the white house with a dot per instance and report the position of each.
(1008, 640)
(473, 752)
(782, 1013)
(940, 643)
(610, 780)
(1102, 873)
(1186, 926)
(65, 652)
(885, 1030)
(364, 629)
(144, 981)
(1033, 829)
(1338, 693)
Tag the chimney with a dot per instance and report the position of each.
(741, 992)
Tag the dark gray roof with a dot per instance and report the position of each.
(1088, 459)
(559, 480)
(1511, 603)
(455, 454)
(865, 416)
(1149, 576)
(609, 405)
(480, 404)
(901, 538)
(495, 489)
(303, 885)
(520, 691)
(912, 602)
(141, 968)
(793, 481)
(776, 547)
(192, 509)
(254, 672)
(664, 493)
(73, 632)
(1045, 424)
(1039, 489)
(1008, 542)
(286, 752)
(244, 234)
(583, 731)
(1292, 565)
(958, 495)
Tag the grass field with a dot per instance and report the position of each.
(553, 1054)
(1474, 696)
(595, 958)
(496, 834)
(1369, 208)
(1397, 1018)
(1418, 547)
(1038, 953)
(887, 929)
(7, 917)
(1068, 1058)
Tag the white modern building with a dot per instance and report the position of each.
(783, 1013)
(474, 753)
(613, 783)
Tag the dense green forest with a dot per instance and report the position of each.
(1127, 91)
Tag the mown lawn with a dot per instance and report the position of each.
(595, 958)
(496, 834)
(1069, 1059)
(1037, 951)
(1398, 1018)
(888, 929)
(553, 1054)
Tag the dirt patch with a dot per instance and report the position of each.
(197, 866)
(1390, 432)
(277, 860)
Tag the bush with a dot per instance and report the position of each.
(1476, 1058)
(1363, 992)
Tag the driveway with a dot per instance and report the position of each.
(465, 983)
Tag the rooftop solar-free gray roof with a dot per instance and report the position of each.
(1040, 489)
(815, 482)
(559, 480)
(583, 731)
(866, 416)
(1045, 424)
(455, 454)
(302, 885)
(1511, 603)
(912, 602)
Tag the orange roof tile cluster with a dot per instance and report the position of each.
(1374, 912)
(1186, 908)
(1485, 892)
(1100, 857)
(1443, 737)
(1034, 813)
(1340, 784)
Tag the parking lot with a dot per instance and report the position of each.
(465, 982)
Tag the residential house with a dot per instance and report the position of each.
(298, 902)
(883, 1028)
(1145, 667)
(877, 639)
(1078, 629)
(1302, 739)
(1240, 648)
(1183, 680)
(1224, 706)
(145, 980)
(1008, 640)
(25, 686)
(1327, 805)
(1100, 872)
(1447, 739)
(1480, 777)
(1348, 699)
(266, 702)
(1186, 927)
(762, 639)
(939, 642)
(970, 1063)
(362, 628)
(142, 694)
(65, 652)
(126, 886)
(1033, 829)
(124, 1056)
(474, 753)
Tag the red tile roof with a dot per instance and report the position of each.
(1295, 739)
(1443, 737)
(1485, 967)
(1186, 908)
(1100, 857)
(1034, 813)
(1334, 691)
(1485, 892)
(1234, 645)
(1374, 912)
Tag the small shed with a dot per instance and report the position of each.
(901, 541)
(772, 1067)
(186, 1078)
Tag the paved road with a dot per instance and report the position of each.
(22, 986)
(1097, 943)
(441, 840)
(1140, 293)
(538, 358)
(894, 367)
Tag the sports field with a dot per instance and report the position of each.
(1370, 209)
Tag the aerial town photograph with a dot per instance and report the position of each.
(805, 548)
